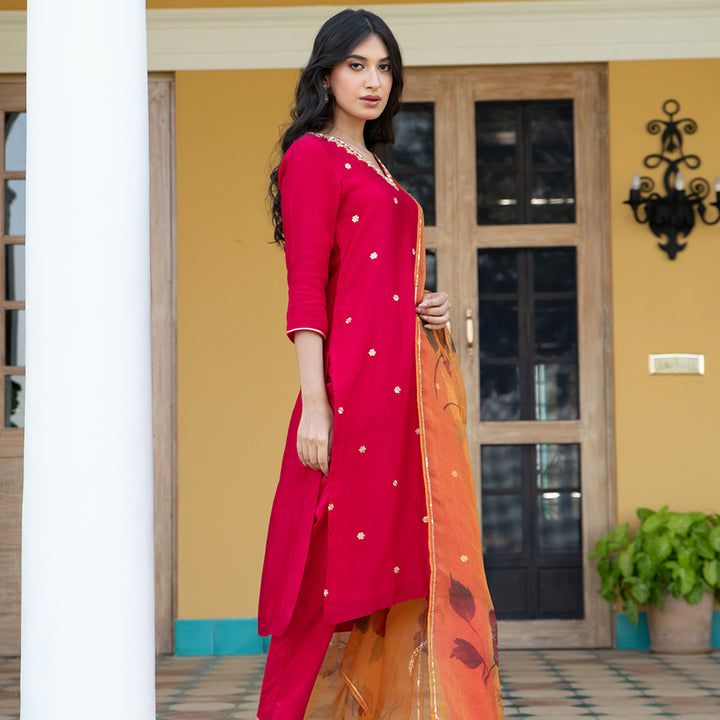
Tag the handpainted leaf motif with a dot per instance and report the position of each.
(461, 600)
(494, 629)
(363, 624)
(379, 620)
(467, 654)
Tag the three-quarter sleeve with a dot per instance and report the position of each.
(310, 198)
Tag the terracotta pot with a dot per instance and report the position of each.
(681, 628)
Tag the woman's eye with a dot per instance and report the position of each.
(385, 67)
(356, 66)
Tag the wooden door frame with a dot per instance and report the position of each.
(161, 93)
(455, 183)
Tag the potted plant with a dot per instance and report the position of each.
(671, 565)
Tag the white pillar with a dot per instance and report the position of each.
(87, 555)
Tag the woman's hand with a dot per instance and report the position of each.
(434, 310)
(314, 436)
(315, 429)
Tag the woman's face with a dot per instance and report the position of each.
(361, 83)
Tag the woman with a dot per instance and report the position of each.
(352, 556)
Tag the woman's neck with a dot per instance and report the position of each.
(350, 132)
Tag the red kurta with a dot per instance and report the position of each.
(351, 236)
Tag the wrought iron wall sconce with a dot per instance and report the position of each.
(672, 215)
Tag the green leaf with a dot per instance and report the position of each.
(659, 548)
(644, 513)
(625, 561)
(695, 595)
(644, 565)
(641, 592)
(601, 549)
(714, 538)
(654, 522)
(630, 609)
(686, 579)
(711, 572)
(657, 596)
(679, 523)
(704, 548)
(685, 554)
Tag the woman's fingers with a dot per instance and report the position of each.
(434, 310)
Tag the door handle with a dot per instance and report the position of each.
(469, 330)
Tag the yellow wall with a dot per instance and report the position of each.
(668, 428)
(236, 371)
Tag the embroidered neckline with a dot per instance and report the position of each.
(383, 173)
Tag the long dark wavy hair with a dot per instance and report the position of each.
(337, 38)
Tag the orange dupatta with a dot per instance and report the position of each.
(434, 659)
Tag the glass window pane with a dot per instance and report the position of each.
(14, 196)
(15, 272)
(501, 467)
(557, 466)
(431, 270)
(499, 392)
(502, 524)
(496, 132)
(525, 161)
(422, 188)
(556, 392)
(551, 132)
(497, 195)
(498, 329)
(15, 338)
(497, 271)
(556, 328)
(554, 270)
(552, 197)
(414, 136)
(559, 522)
(15, 134)
(14, 401)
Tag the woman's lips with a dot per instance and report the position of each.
(371, 100)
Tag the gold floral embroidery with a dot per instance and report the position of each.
(348, 320)
(373, 255)
(348, 166)
(396, 569)
(395, 200)
(426, 519)
(417, 431)
(413, 251)
(341, 410)
(397, 389)
(381, 170)
(394, 483)
(331, 506)
(325, 592)
(355, 218)
(362, 449)
(463, 558)
(454, 473)
(371, 352)
(361, 536)
(396, 298)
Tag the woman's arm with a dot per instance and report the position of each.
(314, 436)
(434, 310)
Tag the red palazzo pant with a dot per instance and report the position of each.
(294, 658)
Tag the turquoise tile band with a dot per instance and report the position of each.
(637, 637)
(238, 636)
(233, 636)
